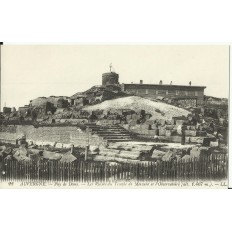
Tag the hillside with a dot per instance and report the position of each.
(159, 110)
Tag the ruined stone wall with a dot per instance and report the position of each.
(39, 101)
(189, 102)
(64, 135)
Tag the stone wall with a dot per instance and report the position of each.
(189, 102)
(44, 134)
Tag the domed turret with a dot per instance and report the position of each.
(110, 78)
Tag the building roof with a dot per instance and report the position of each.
(166, 86)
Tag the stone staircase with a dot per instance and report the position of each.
(111, 133)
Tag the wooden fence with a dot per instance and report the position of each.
(213, 167)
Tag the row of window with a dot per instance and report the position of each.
(177, 92)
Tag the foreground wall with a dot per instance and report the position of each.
(64, 135)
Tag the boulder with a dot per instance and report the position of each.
(59, 145)
(135, 117)
(197, 140)
(108, 152)
(168, 156)
(150, 122)
(51, 155)
(162, 132)
(169, 127)
(190, 133)
(39, 143)
(154, 126)
(30, 142)
(8, 158)
(8, 151)
(52, 144)
(201, 133)
(177, 152)
(2, 148)
(129, 154)
(21, 151)
(32, 146)
(186, 158)
(112, 164)
(132, 122)
(179, 131)
(144, 127)
(128, 117)
(22, 137)
(199, 152)
(195, 152)
(35, 151)
(21, 154)
(103, 158)
(206, 141)
(170, 132)
(67, 145)
(214, 144)
(179, 122)
(169, 122)
(205, 150)
(157, 154)
(93, 148)
(68, 158)
(141, 148)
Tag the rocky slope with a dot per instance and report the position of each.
(158, 110)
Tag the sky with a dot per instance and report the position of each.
(31, 71)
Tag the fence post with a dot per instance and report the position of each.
(86, 152)
(72, 148)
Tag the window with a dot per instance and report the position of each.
(146, 91)
(157, 92)
(196, 93)
(166, 92)
(177, 92)
(186, 93)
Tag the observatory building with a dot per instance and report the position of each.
(184, 94)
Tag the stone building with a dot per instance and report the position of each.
(57, 101)
(6, 110)
(110, 78)
(185, 95)
(78, 99)
(24, 110)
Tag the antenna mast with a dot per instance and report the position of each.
(110, 67)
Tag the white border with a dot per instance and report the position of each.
(118, 21)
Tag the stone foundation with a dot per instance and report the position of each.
(43, 135)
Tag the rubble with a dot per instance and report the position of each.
(140, 103)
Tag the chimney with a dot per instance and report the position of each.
(161, 82)
(141, 82)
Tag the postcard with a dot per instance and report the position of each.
(114, 116)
